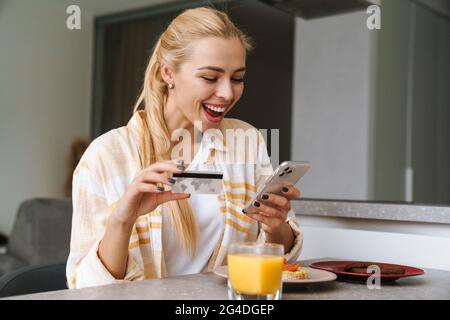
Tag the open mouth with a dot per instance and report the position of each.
(213, 113)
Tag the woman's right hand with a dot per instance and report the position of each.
(143, 195)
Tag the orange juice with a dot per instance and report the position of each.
(256, 274)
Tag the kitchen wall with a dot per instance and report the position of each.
(45, 90)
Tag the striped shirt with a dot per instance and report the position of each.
(111, 163)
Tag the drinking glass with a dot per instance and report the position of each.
(255, 271)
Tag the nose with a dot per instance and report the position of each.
(225, 91)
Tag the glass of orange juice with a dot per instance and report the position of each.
(255, 271)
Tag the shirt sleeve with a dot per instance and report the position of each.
(263, 171)
(90, 213)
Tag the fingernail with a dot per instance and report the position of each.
(265, 196)
(256, 204)
(172, 180)
(160, 188)
(182, 168)
(180, 161)
(285, 189)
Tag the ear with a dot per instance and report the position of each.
(166, 74)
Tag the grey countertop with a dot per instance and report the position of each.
(434, 284)
(373, 210)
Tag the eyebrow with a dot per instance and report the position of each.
(219, 69)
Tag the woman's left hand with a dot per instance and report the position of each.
(273, 210)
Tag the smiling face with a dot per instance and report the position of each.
(209, 83)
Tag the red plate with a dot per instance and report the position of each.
(337, 267)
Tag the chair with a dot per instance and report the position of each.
(33, 279)
(40, 235)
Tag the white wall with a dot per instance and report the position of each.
(333, 84)
(45, 94)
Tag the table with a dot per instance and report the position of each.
(435, 284)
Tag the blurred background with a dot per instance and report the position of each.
(369, 108)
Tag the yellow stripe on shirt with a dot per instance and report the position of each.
(136, 243)
(142, 229)
(245, 185)
(236, 226)
(241, 196)
(237, 214)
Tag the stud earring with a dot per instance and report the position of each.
(171, 85)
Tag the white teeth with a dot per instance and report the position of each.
(213, 108)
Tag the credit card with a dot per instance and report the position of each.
(198, 182)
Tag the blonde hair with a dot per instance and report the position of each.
(171, 50)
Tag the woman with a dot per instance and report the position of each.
(127, 224)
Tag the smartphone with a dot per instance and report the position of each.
(287, 173)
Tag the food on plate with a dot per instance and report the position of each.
(300, 274)
(361, 267)
(294, 271)
(290, 267)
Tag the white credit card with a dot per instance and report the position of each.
(198, 182)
